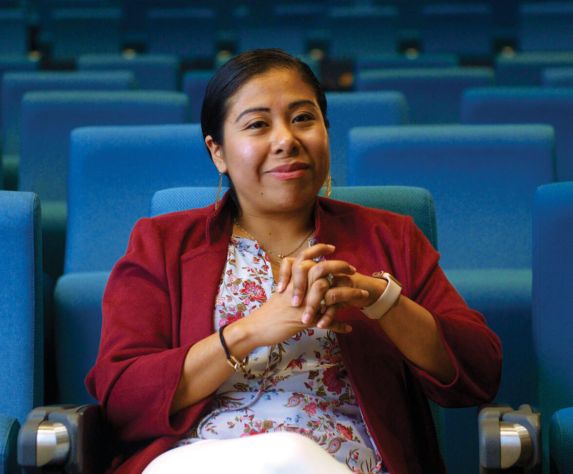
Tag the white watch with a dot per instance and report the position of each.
(387, 299)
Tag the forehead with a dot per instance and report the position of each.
(271, 88)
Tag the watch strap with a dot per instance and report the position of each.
(387, 299)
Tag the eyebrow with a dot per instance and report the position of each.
(291, 106)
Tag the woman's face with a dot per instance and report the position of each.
(275, 144)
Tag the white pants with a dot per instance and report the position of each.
(270, 453)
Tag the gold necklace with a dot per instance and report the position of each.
(277, 256)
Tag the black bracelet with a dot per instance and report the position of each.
(231, 359)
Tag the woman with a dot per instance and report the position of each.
(360, 327)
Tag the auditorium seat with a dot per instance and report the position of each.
(365, 62)
(354, 109)
(114, 172)
(504, 105)
(545, 26)
(194, 86)
(552, 322)
(21, 334)
(482, 179)
(557, 76)
(525, 69)
(47, 120)
(16, 84)
(433, 94)
(14, 37)
(151, 71)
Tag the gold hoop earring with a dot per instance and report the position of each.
(328, 186)
(218, 195)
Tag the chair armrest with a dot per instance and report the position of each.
(561, 440)
(509, 438)
(8, 435)
(73, 438)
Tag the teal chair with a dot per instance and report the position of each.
(21, 341)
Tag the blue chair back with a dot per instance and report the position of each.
(552, 302)
(114, 172)
(526, 69)
(83, 30)
(545, 26)
(482, 179)
(464, 29)
(553, 106)
(16, 84)
(194, 86)
(434, 95)
(21, 314)
(151, 71)
(14, 37)
(557, 76)
(49, 117)
(365, 62)
(355, 109)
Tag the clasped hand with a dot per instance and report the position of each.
(305, 297)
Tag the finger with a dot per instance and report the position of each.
(324, 267)
(299, 278)
(344, 295)
(328, 321)
(314, 301)
(316, 252)
(285, 272)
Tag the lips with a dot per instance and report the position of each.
(290, 167)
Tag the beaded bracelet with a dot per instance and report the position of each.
(231, 359)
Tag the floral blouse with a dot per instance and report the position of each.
(300, 385)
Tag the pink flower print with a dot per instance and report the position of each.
(253, 292)
(345, 431)
(296, 363)
(230, 318)
(310, 408)
(294, 400)
(334, 445)
(331, 380)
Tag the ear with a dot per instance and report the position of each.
(216, 151)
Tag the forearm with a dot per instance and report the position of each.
(415, 333)
(206, 368)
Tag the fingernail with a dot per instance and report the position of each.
(353, 268)
(295, 300)
(332, 247)
(306, 318)
(280, 286)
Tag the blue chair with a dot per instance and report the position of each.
(186, 32)
(21, 337)
(557, 77)
(526, 69)
(461, 28)
(113, 174)
(47, 120)
(194, 86)
(482, 179)
(545, 26)
(365, 62)
(16, 84)
(552, 322)
(14, 37)
(354, 109)
(77, 31)
(434, 95)
(553, 106)
(362, 30)
(151, 71)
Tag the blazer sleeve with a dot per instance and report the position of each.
(138, 367)
(474, 349)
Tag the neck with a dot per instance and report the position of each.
(278, 234)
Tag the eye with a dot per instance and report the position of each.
(257, 124)
(303, 117)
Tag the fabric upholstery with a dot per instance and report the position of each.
(8, 436)
(151, 71)
(561, 440)
(553, 298)
(21, 337)
(354, 109)
(364, 62)
(194, 86)
(14, 39)
(526, 69)
(433, 94)
(545, 26)
(557, 76)
(553, 106)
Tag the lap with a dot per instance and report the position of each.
(269, 453)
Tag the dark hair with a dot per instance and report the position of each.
(240, 69)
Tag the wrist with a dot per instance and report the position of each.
(239, 338)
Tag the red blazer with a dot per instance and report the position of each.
(159, 302)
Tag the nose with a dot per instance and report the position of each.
(284, 141)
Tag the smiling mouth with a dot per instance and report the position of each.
(290, 168)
